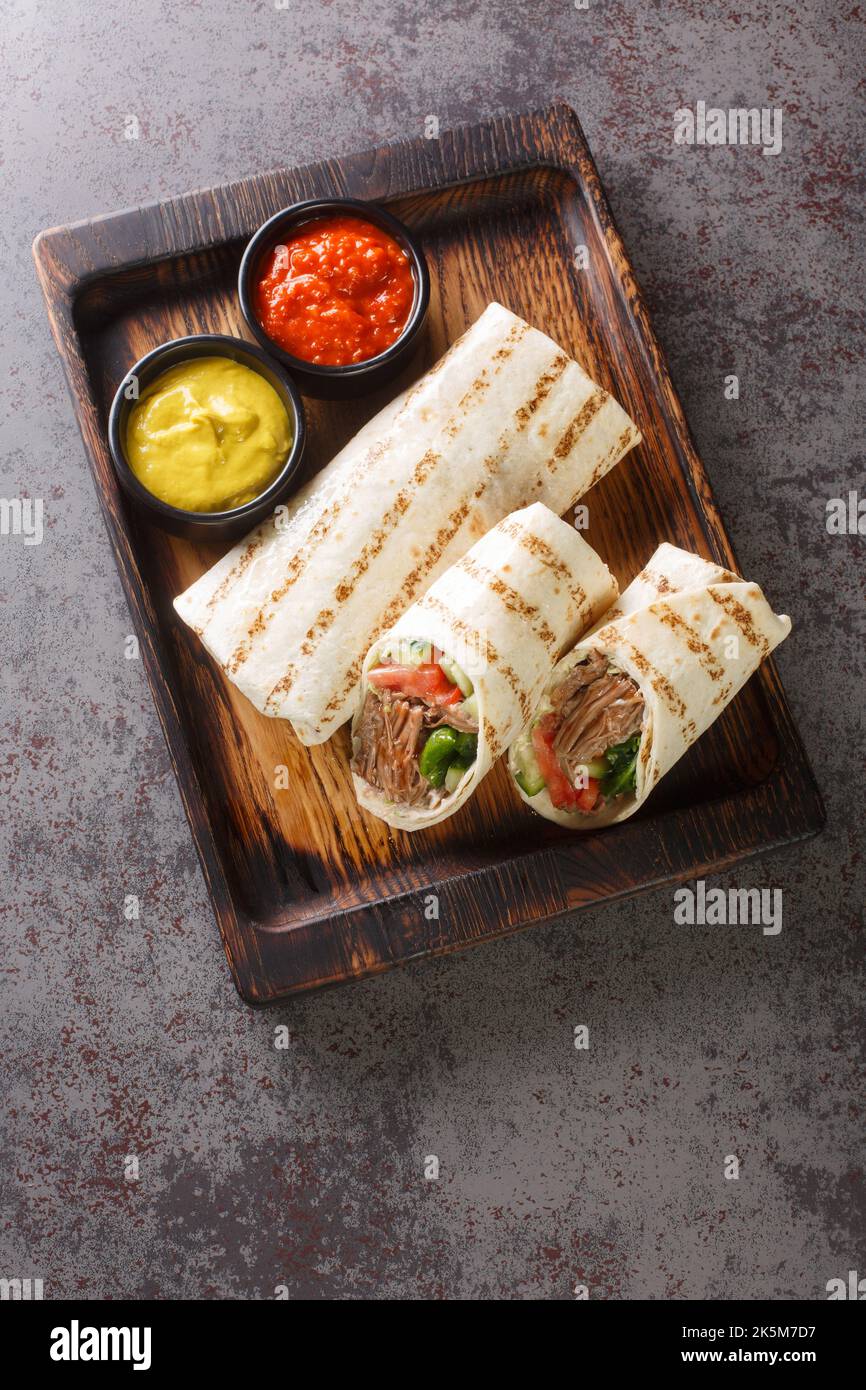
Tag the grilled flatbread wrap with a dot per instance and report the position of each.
(505, 418)
(446, 689)
(656, 671)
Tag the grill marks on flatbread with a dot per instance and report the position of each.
(543, 387)
(578, 426)
(538, 547)
(413, 583)
(480, 645)
(660, 684)
(476, 641)
(665, 690)
(741, 617)
(406, 595)
(513, 420)
(625, 441)
(659, 583)
(689, 636)
(422, 472)
(376, 544)
(654, 579)
(510, 598)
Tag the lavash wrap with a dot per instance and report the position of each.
(504, 612)
(668, 631)
(505, 418)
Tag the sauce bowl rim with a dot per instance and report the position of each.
(266, 238)
(220, 345)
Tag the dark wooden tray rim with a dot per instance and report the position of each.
(573, 873)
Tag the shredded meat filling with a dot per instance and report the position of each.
(597, 708)
(436, 715)
(578, 677)
(391, 734)
(389, 742)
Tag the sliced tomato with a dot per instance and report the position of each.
(588, 795)
(427, 681)
(564, 796)
(452, 696)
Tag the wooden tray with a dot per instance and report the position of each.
(307, 889)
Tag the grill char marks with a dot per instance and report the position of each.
(474, 639)
(578, 426)
(539, 548)
(375, 545)
(659, 682)
(413, 583)
(296, 567)
(510, 598)
(239, 569)
(543, 387)
(741, 617)
(331, 513)
(659, 582)
(628, 437)
(692, 639)
(406, 595)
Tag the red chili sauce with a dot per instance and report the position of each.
(339, 291)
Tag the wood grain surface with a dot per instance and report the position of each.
(307, 889)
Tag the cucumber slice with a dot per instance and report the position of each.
(455, 774)
(406, 651)
(469, 708)
(527, 773)
(420, 653)
(456, 675)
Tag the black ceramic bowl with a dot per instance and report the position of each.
(215, 526)
(357, 378)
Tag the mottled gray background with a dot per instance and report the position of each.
(304, 1167)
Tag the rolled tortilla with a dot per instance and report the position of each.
(690, 634)
(504, 613)
(504, 419)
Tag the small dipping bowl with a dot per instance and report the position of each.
(215, 526)
(355, 378)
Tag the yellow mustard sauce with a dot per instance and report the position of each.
(208, 435)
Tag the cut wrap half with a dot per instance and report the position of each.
(446, 689)
(656, 671)
(504, 419)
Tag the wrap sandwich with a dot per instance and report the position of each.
(447, 688)
(504, 419)
(624, 705)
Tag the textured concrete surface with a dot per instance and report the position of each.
(303, 1167)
